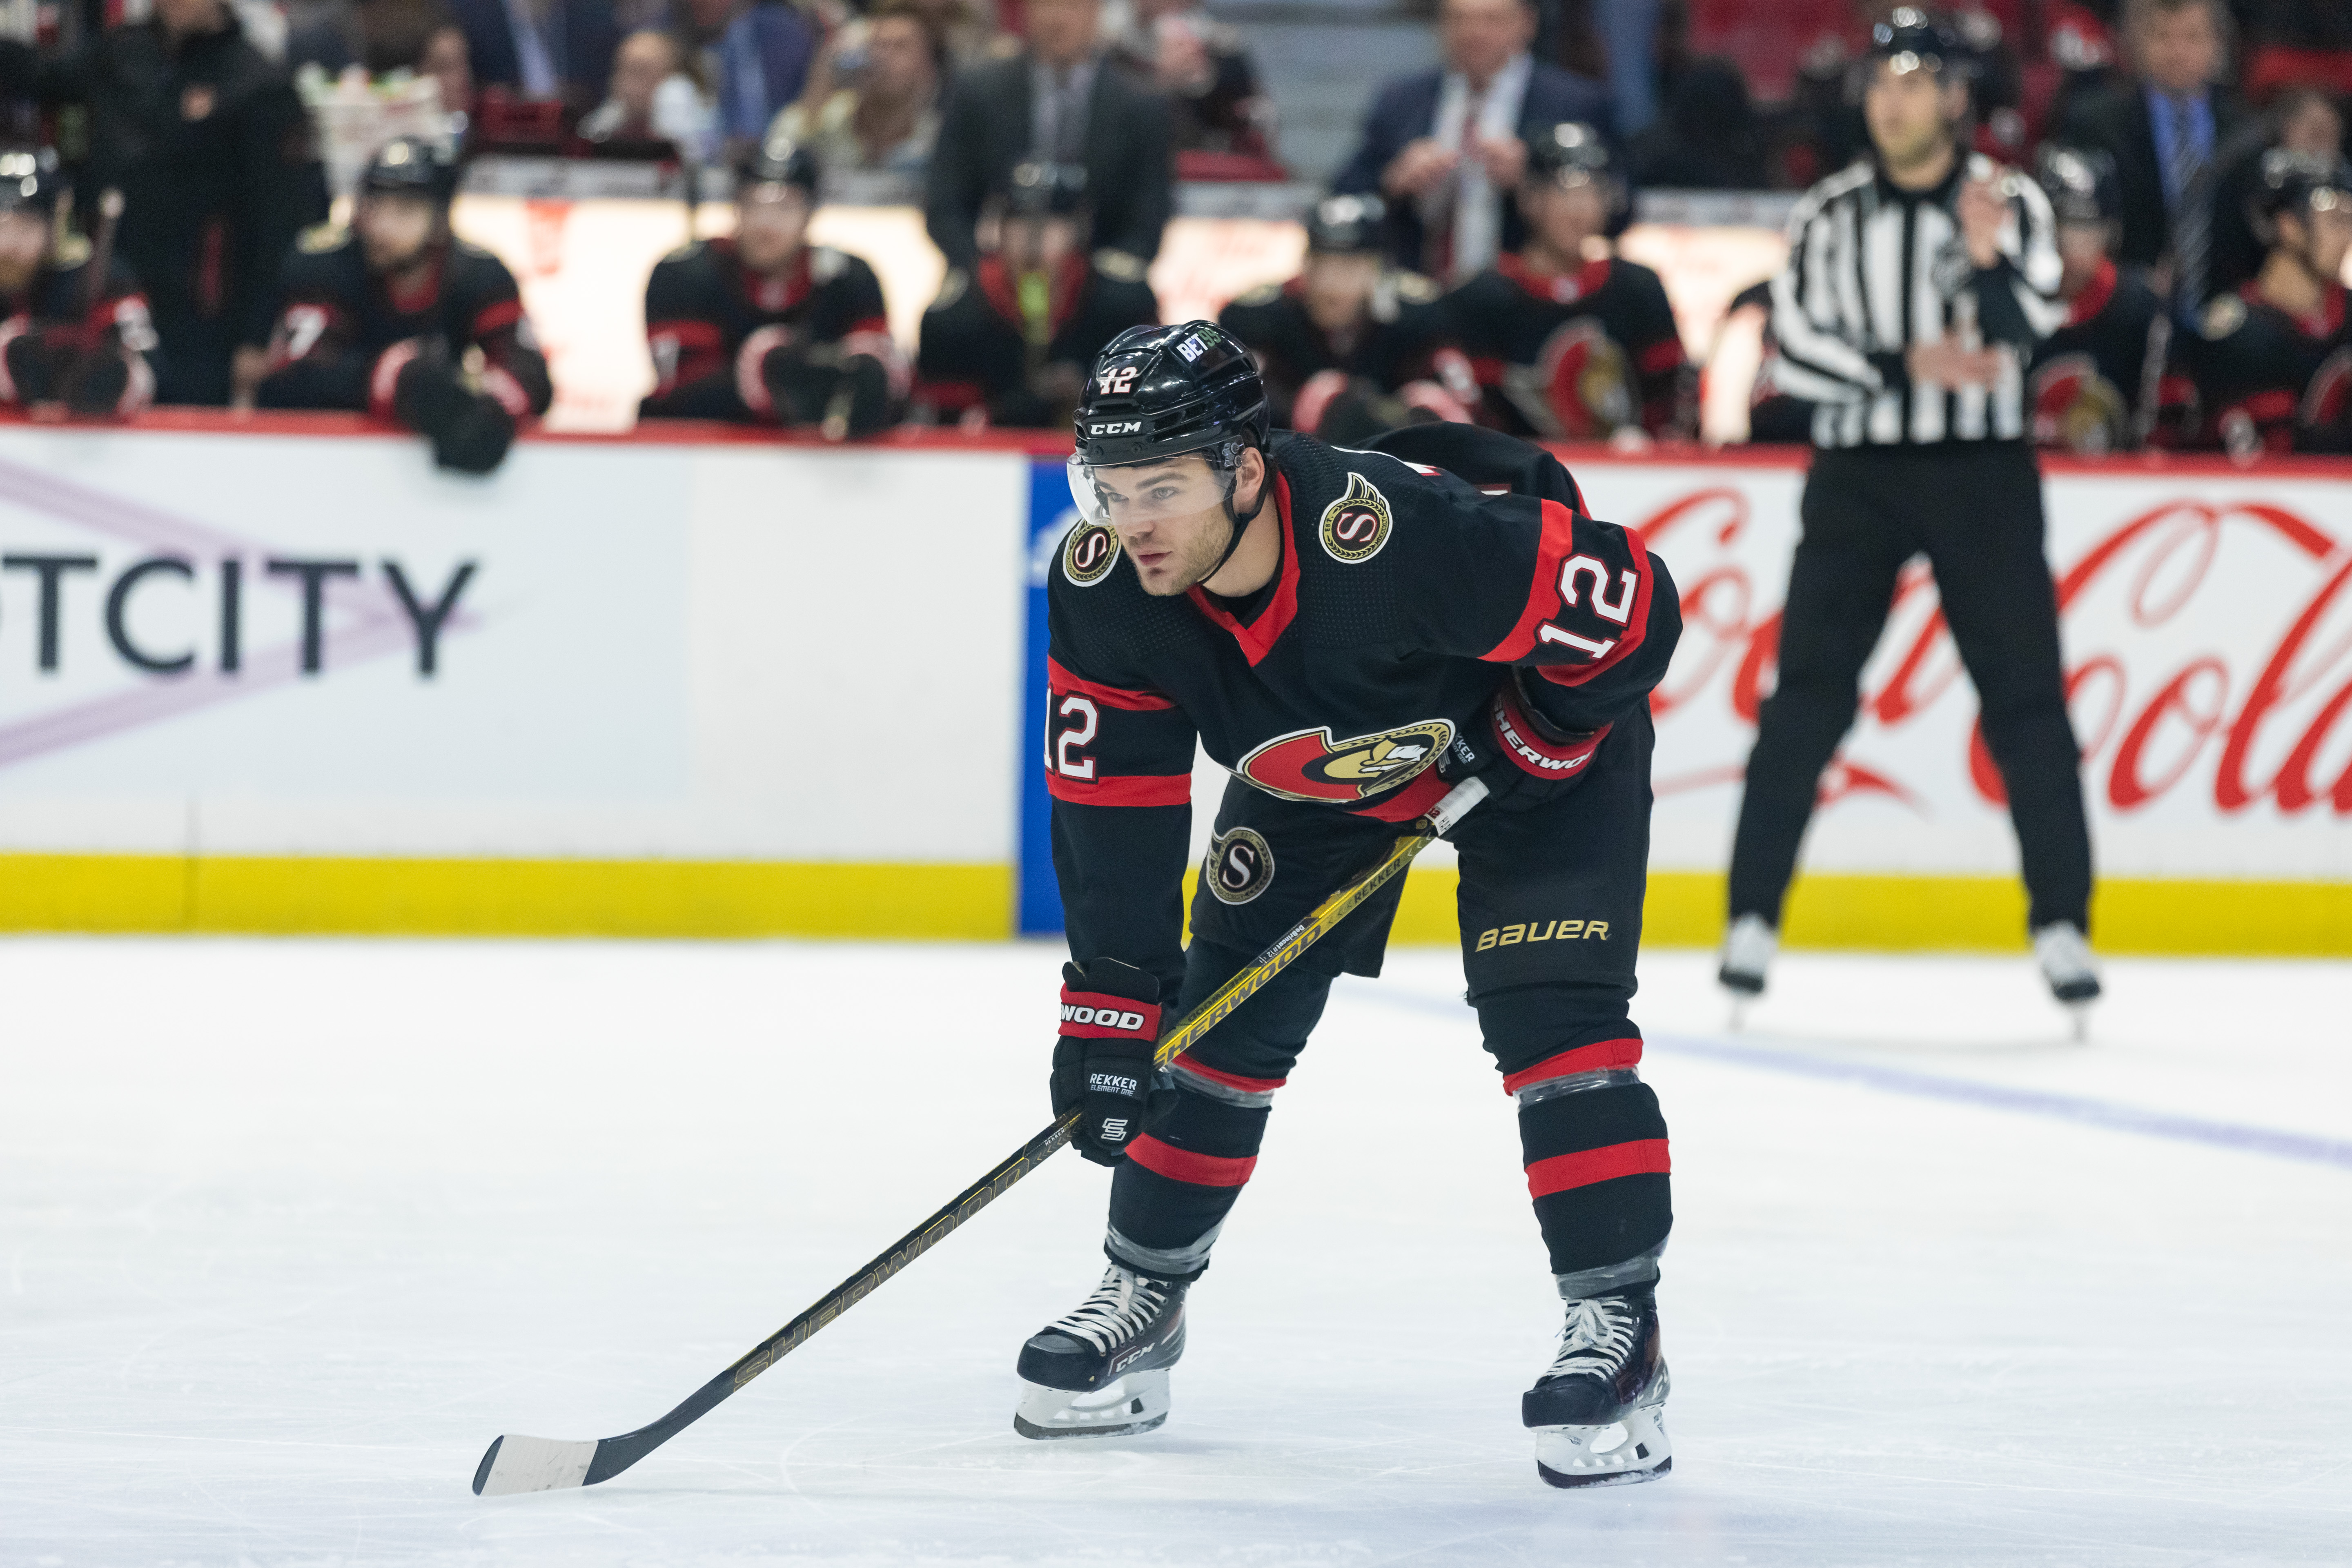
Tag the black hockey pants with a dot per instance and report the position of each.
(1551, 905)
(1976, 510)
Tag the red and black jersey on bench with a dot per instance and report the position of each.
(711, 323)
(2268, 381)
(1411, 579)
(1574, 356)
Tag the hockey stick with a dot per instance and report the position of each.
(518, 1464)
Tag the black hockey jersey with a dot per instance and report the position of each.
(343, 336)
(55, 321)
(2266, 381)
(1400, 340)
(1574, 356)
(711, 323)
(1403, 595)
(2092, 383)
(976, 351)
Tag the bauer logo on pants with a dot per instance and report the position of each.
(1357, 524)
(1241, 866)
(1087, 559)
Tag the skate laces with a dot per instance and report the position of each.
(1121, 1306)
(1598, 1338)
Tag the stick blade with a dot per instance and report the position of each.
(518, 1464)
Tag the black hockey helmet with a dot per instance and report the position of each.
(411, 167)
(1161, 391)
(2081, 184)
(777, 162)
(2301, 182)
(1570, 154)
(1039, 189)
(29, 180)
(1911, 38)
(1347, 226)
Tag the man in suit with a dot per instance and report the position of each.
(1446, 148)
(539, 47)
(2162, 127)
(1059, 102)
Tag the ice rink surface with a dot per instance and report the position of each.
(288, 1231)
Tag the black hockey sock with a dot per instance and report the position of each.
(1170, 1196)
(1594, 1146)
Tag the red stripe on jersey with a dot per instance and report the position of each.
(1637, 626)
(1193, 1064)
(1059, 678)
(1603, 1056)
(1183, 1165)
(1136, 789)
(1258, 637)
(1644, 1157)
(1662, 355)
(1543, 590)
(1425, 790)
(498, 314)
(874, 324)
(689, 336)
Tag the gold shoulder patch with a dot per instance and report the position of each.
(2225, 314)
(1119, 263)
(71, 249)
(951, 287)
(1415, 290)
(1265, 294)
(321, 238)
(826, 264)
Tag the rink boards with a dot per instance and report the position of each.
(285, 677)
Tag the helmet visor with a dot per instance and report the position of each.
(1129, 495)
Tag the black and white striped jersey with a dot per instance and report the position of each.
(1872, 270)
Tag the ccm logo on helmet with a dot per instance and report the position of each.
(1117, 427)
(1103, 1018)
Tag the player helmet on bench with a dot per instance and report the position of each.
(2082, 185)
(777, 162)
(1165, 392)
(1347, 226)
(29, 180)
(411, 167)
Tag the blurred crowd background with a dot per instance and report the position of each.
(1044, 146)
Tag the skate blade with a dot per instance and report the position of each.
(1623, 1453)
(2078, 1019)
(1126, 1406)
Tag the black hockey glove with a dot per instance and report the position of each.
(470, 431)
(35, 361)
(1525, 758)
(1102, 1063)
(95, 382)
(861, 400)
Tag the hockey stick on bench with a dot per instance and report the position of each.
(521, 1464)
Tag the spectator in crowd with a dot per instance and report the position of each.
(2162, 126)
(1352, 346)
(540, 49)
(69, 335)
(2301, 120)
(1710, 139)
(2272, 362)
(381, 319)
(1567, 341)
(872, 105)
(2091, 385)
(378, 36)
(1058, 102)
(653, 100)
(1448, 147)
(1203, 67)
(448, 62)
(753, 56)
(767, 329)
(1011, 340)
(208, 145)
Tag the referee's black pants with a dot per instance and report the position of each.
(1975, 510)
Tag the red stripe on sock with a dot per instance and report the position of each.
(1598, 1057)
(1644, 1157)
(1193, 1064)
(1183, 1165)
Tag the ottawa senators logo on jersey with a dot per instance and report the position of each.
(1308, 764)
(1087, 559)
(2328, 401)
(1578, 389)
(1240, 866)
(2077, 408)
(1356, 525)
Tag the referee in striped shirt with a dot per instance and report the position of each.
(1919, 282)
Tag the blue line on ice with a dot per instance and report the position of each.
(2108, 1114)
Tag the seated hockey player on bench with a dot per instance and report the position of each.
(767, 329)
(1352, 634)
(74, 331)
(401, 319)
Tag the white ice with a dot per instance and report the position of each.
(288, 1231)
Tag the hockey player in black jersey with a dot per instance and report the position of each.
(1352, 346)
(765, 328)
(67, 337)
(1568, 346)
(400, 319)
(1350, 633)
(2272, 363)
(2092, 383)
(1009, 342)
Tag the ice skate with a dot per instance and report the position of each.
(1599, 1414)
(1102, 1370)
(1748, 949)
(2064, 955)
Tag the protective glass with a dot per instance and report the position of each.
(1133, 494)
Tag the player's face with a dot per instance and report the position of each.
(395, 229)
(1170, 518)
(1565, 215)
(1910, 111)
(2081, 247)
(1038, 244)
(1339, 288)
(771, 221)
(24, 241)
(2330, 231)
